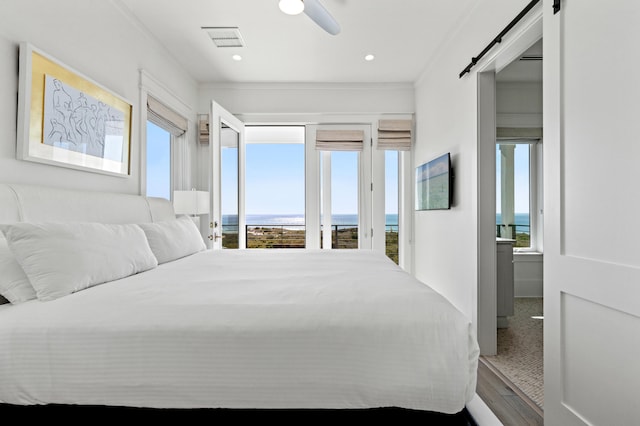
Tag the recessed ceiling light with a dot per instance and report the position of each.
(291, 7)
(369, 57)
(237, 57)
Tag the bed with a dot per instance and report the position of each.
(251, 329)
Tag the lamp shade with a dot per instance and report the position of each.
(191, 202)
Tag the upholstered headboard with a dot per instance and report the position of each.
(30, 203)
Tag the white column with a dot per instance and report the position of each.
(506, 185)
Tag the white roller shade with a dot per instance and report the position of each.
(339, 140)
(163, 116)
(394, 135)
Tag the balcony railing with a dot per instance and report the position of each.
(520, 233)
(344, 236)
(293, 236)
(275, 236)
(391, 242)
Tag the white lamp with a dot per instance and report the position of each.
(192, 203)
(291, 7)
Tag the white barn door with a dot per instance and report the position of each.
(592, 205)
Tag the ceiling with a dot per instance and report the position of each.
(403, 36)
(528, 68)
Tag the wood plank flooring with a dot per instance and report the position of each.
(509, 404)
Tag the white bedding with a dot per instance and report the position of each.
(245, 329)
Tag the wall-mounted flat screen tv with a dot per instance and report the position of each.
(434, 184)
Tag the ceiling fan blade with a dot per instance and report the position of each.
(316, 11)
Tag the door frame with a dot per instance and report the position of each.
(523, 36)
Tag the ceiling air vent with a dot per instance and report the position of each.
(225, 36)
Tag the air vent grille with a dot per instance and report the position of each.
(225, 36)
(531, 58)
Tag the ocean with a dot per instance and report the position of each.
(521, 221)
(296, 220)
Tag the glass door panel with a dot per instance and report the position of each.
(391, 204)
(344, 199)
(229, 190)
(227, 180)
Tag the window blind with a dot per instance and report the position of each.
(203, 129)
(339, 140)
(163, 116)
(519, 132)
(394, 135)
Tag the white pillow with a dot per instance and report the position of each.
(172, 239)
(14, 284)
(62, 258)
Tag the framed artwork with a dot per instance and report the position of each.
(66, 119)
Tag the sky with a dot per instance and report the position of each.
(275, 180)
(158, 162)
(274, 177)
(521, 177)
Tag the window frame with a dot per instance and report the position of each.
(181, 146)
(535, 191)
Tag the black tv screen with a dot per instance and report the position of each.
(434, 184)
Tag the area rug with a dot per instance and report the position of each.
(520, 350)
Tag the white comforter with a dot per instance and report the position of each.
(245, 329)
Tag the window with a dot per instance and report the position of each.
(164, 128)
(275, 187)
(391, 159)
(517, 192)
(342, 185)
(158, 162)
(394, 140)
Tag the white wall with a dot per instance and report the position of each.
(305, 99)
(99, 40)
(446, 244)
(519, 104)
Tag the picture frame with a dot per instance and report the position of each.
(68, 120)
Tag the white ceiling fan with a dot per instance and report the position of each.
(314, 10)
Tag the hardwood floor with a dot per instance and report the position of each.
(509, 404)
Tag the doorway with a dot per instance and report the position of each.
(517, 219)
